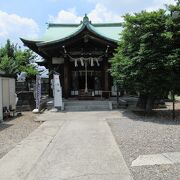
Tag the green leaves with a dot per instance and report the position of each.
(148, 53)
(13, 60)
(9, 66)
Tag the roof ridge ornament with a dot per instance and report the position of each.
(86, 19)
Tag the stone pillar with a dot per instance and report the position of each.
(50, 68)
(66, 77)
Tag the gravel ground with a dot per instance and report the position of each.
(14, 130)
(138, 135)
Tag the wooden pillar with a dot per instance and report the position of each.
(50, 86)
(66, 77)
(106, 75)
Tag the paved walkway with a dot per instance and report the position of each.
(68, 146)
(157, 159)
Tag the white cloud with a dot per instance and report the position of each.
(132, 6)
(109, 10)
(13, 26)
(102, 14)
(112, 3)
(69, 16)
(122, 6)
(159, 4)
(99, 14)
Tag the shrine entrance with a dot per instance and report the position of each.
(80, 53)
(82, 80)
(86, 83)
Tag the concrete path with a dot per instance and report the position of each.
(157, 159)
(19, 161)
(78, 146)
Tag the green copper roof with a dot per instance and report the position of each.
(111, 32)
(61, 32)
(56, 32)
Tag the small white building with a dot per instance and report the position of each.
(7, 94)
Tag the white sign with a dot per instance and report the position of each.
(57, 91)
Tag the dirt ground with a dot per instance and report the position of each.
(12, 131)
(144, 135)
(135, 134)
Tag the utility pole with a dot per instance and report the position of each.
(174, 15)
(172, 77)
(117, 87)
(174, 114)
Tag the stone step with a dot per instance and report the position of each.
(81, 103)
(115, 106)
(24, 108)
(87, 108)
(87, 105)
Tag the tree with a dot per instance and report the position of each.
(143, 57)
(174, 56)
(14, 60)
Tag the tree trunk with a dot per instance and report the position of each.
(145, 102)
(149, 104)
(142, 102)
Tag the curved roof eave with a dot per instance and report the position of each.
(32, 45)
(100, 35)
(29, 41)
(87, 25)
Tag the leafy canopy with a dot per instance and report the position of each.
(15, 60)
(147, 57)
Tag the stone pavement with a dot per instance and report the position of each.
(68, 146)
(157, 159)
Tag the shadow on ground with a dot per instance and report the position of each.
(158, 116)
(3, 126)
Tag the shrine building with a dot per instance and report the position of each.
(80, 53)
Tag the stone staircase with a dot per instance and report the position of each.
(87, 105)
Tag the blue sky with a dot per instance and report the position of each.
(27, 18)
